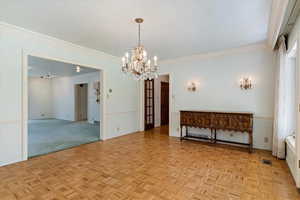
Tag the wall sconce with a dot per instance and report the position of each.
(96, 86)
(246, 83)
(191, 86)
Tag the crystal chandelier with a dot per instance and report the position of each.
(138, 63)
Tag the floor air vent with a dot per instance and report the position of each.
(267, 162)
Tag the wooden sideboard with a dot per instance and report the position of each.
(226, 121)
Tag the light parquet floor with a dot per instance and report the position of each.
(148, 165)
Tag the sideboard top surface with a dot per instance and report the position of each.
(215, 111)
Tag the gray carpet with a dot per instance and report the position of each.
(50, 135)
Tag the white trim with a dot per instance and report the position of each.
(278, 10)
(24, 117)
(263, 117)
(200, 55)
(141, 106)
(297, 41)
(170, 103)
(54, 39)
(209, 55)
(127, 112)
(24, 106)
(10, 122)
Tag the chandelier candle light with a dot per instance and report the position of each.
(137, 63)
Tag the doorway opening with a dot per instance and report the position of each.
(164, 103)
(157, 103)
(64, 105)
(81, 102)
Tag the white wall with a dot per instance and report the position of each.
(157, 94)
(218, 76)
(121, 106)
(40, 98)
(294, 35)
(64, 96)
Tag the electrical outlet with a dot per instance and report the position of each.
(266, 139)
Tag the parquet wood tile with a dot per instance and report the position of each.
(149, 166)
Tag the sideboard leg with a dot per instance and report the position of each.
(250, 142)
(186, 131)
(215, 136)
(180, 133)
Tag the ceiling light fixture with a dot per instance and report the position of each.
(48, 76)
(137, 63)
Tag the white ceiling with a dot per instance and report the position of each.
(38, 67)
(172, 28)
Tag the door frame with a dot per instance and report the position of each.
(25, 94)
(153, 105)
(142, 104)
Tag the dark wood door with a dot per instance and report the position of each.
(164, 102)
(149, 104)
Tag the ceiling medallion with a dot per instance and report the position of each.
(138, 64)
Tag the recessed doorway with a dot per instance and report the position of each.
(164, 103)
(81, 102)
(64, 105)
(157, 102)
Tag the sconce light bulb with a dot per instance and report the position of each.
(77, 69)
(155, 60)
(144, 53)
(123, 61)
(191, 86)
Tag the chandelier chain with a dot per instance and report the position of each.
(139, 35)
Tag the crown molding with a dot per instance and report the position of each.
(54, 39)
(246, 48)
(276, 19)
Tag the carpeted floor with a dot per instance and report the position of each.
(49, 135)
